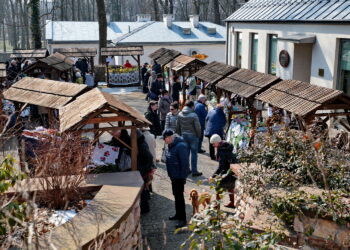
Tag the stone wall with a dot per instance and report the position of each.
(126, 236)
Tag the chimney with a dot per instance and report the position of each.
(143, 17)
(108, 18)
(194, 19)
(167, 19)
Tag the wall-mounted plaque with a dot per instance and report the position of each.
(284, 58)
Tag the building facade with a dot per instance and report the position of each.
(191, 37)
(297, 39)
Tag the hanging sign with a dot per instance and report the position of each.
(284, 58)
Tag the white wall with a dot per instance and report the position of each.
(215, 52)
(324, 52)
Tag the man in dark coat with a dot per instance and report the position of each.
(157, 68)
(215, 123)
(153, 116)
(156, 87)
(202, 112)
(177, 163)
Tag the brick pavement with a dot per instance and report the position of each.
(157, 230)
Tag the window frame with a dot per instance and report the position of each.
(252, 35)
(270, 36)
(237, 38)
(340, 51)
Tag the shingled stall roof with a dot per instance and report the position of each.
(122, 51)
(34, 53)
(4, 57)
(58, 61)
(158, 53)
(214, 72)
(87, 106)
(293, 11)
(77, 52)
(2, 70)
(168, 56)
(183, 61)
(247, 83)
(303, 98)
(42, 92)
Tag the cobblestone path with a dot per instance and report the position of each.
(157, 230)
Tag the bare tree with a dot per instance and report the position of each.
(102, 24)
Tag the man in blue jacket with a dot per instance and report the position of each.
(202, 112)
(177, 164)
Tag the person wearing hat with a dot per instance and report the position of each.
(156, 88)
(226, 157)
(177, 164)
(202, 112)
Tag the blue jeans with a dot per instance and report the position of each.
(192, 142)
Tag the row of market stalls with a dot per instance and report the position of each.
(75, 108)
(249, 94)
(61, 63)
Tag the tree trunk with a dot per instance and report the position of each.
(73, 11)
(22, 22)
(35, 24)
(171, 6)
(156, 10)
(102, 24)
(4, 34)
(196, 6)
(79, 10)
(26, 23)
(14, 25)
(216, 10)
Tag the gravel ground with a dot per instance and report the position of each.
(157, 230)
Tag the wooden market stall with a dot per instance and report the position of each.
(48, 94)
(185, 66)
(308, 101)
(167, 57)
(3, 73)
(87, 53)
(246, 84)
(158, 53)
(212, 73)
(29, 54)
(52, 66)
(134, 51)
(96, 108)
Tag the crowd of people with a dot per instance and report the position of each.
(183, 132)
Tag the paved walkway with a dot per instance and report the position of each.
(157, 230)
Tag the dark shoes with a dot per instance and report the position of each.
(197, 174)
(173, 217)
(181, 224)
(201, 151)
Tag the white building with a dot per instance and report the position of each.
(187, 37)
(313, 34)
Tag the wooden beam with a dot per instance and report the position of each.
(334, 106)
(118, 139)
(134, 149)
(333, 114)
(108, 119)
(345, 125)
(106, 129)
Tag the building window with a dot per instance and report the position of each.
(239, 49)
(272, 54)
(344, 66)
(254, 52)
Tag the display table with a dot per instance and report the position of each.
(124, 78)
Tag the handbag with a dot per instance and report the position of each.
(163, 158)
(153, 96)
(125, 162)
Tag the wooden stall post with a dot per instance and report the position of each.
(134, 149)
(139, 65)
(92, 63)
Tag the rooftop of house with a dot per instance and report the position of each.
(328, 11)
(140, 33)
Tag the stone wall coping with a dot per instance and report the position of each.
(110, 206)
